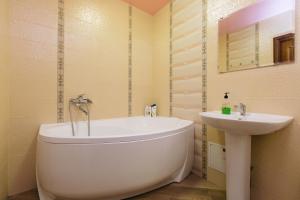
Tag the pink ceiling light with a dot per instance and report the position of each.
(149, 6)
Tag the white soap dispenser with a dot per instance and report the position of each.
(147, 111)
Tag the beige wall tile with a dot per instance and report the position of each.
(4, 97)
(142, 61)
(21, 173)
(96, 55)
(161, 62)
(275, 157)
(32, 53)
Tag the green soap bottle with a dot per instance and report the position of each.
(226, 109)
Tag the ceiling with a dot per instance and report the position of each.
(149, 6)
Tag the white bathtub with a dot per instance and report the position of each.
(122, 158)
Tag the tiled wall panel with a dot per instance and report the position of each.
(187, 68)
(4, 97)
(275, 157)
(187, 71)
(33, 54)
(161, 65)
(187, 27)
(187, 42)
(187, 100)
(187, 56)
(96, 55)
(187, 86)
(186, 12)
(142, 61)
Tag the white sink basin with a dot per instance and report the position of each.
(251, 124)
(238, 130)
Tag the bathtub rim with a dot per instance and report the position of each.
(46, 137)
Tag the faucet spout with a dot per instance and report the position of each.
(242, 109)
(83, 110)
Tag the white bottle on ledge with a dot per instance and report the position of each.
(147, 111)
(153, 110)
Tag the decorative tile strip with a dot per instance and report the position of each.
(171, 60)
(130, 62)
(227, 53)
(257, 44)
(204, 86)
(60, 62)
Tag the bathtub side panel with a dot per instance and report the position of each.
(110, 169)
(189, 159)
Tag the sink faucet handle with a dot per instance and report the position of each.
(242, 105)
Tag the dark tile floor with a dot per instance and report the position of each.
(190, 189)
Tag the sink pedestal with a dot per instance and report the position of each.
(238, 130)
(238, 163)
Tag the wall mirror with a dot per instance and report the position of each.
(260, 35)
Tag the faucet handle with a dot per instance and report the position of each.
(241, 108)
(84, 98)
(81, 96)
(80, 99)
(89, 101)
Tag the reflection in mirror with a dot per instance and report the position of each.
(262, 34)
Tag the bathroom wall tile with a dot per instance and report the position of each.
(21, 173)
(33, 55)
(142, 96)
(271, 90)
(198, 163)
(161, 63)
(142, 71)
(4, 97)
(198, 147)
(33, 32)
(31, 50)
(275, 154)
(198, 131)
(188, 91)
(23, 135)
(35, 6)
(142, 79)
(22, 11)
(92, 47)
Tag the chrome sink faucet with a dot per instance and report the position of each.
(242, 109)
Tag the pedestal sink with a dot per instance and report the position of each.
(238, 130)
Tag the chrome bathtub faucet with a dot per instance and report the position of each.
(82, 103)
